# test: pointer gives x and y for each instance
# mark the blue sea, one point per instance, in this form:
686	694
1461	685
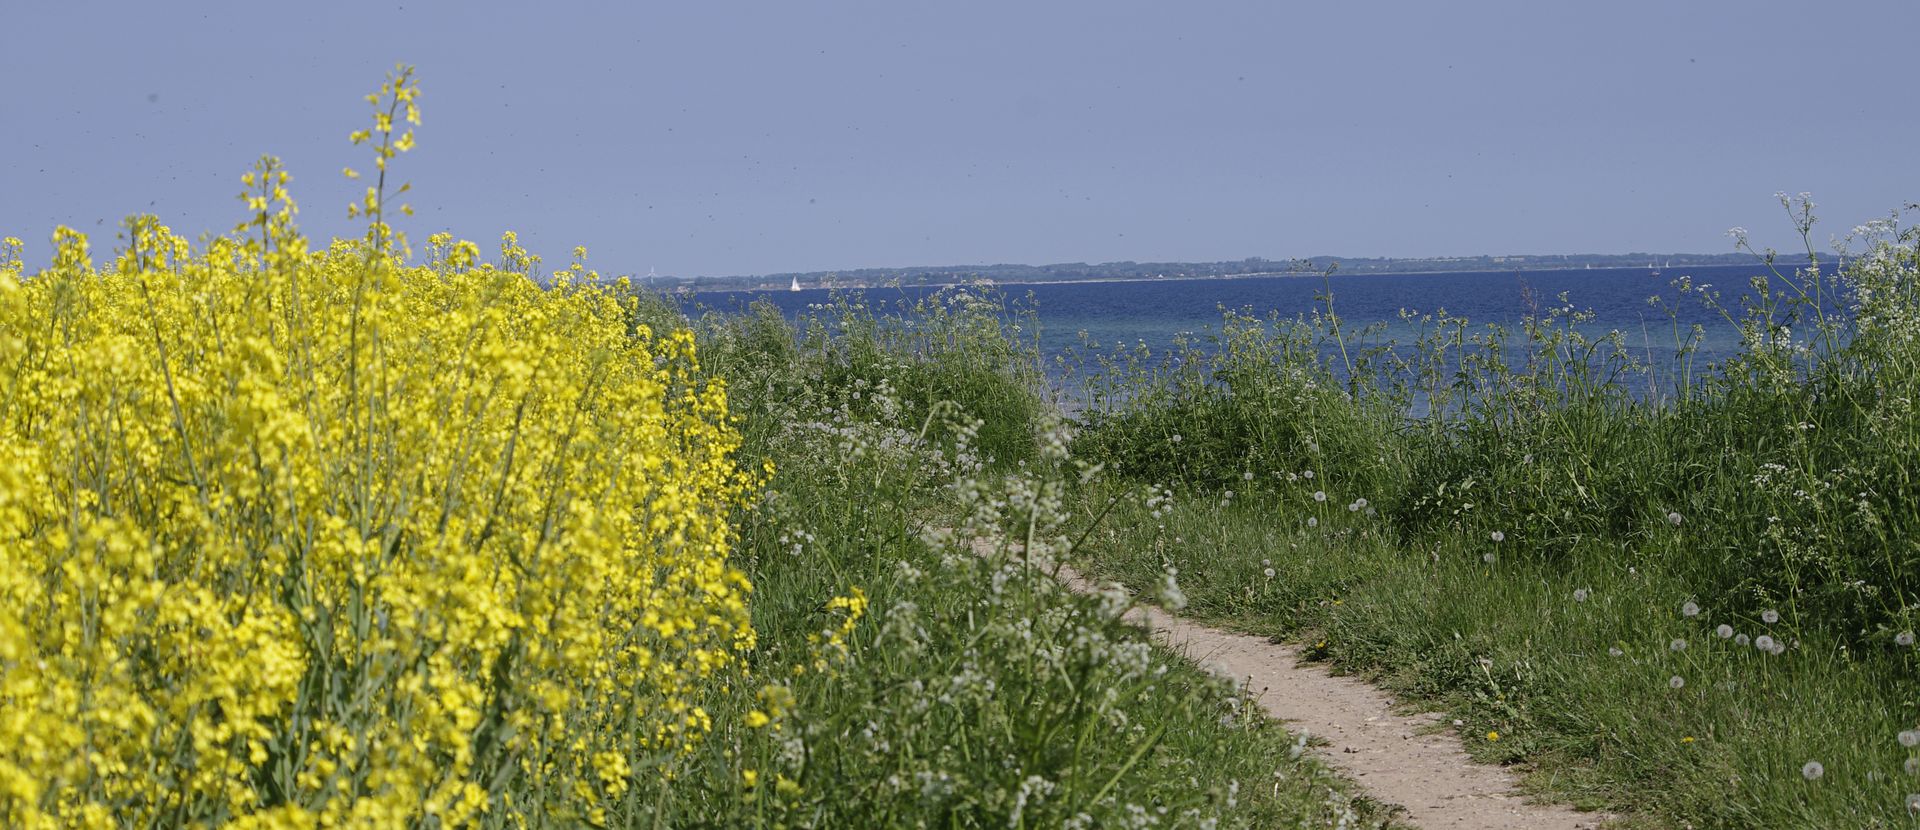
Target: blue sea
1157	312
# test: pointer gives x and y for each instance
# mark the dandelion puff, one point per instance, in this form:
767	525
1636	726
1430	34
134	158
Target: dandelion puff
1360	501
1741	640
1677	645
1812	770
1307	474
1676	681
1320	495
1487	557
1266	563
1246	476
1913	802
1176	438
1353	508
1614	651
1313	521
1903	639
1910	738
1723	631
1499	537
1763	643
1912	766
1769	616
1268	572
1673	519
1690	609
1581	594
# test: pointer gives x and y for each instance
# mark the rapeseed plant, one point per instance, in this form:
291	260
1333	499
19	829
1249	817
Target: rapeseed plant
298	536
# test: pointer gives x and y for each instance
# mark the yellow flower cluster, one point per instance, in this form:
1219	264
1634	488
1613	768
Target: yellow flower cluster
298	539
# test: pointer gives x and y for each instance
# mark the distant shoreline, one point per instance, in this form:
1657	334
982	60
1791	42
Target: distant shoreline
693	287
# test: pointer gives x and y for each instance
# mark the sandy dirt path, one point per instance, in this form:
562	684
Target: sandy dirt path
1399	759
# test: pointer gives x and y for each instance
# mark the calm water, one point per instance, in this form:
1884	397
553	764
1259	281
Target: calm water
1158	311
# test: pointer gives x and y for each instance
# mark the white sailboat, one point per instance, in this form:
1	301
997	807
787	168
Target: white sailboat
795	286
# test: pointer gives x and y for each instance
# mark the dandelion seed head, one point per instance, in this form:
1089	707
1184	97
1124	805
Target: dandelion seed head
1677	645
1487	557
1763	642
1264	563
1769	616
1320	495
1676	681
1912	766
1499	537
1268	572
1308	475
1910	738
1581	594
1690	609
1741	640
1246	476
1673	519
1812	770
1913	802
1723	631
1615	651
1903	639
1313	521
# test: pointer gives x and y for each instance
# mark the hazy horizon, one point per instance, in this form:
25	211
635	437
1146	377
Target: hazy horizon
761	139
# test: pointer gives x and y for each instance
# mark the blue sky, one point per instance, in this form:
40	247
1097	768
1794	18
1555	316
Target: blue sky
733	138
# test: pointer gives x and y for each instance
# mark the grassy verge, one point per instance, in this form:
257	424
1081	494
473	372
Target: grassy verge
1694	605
910	680
1570	664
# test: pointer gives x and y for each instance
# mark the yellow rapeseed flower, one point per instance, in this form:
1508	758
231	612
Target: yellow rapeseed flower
304	536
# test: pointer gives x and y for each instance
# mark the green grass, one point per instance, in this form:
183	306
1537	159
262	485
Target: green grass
1444	550
974	691
1506	647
